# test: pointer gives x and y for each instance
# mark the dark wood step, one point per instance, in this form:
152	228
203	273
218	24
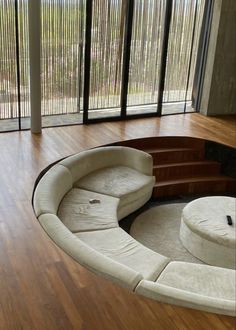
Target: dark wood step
186	169
175	155
164	142
195	185
180	167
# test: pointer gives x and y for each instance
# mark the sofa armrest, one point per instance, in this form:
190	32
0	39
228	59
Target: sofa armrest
138	160
51	189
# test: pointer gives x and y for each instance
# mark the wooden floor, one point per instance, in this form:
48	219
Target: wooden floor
40	286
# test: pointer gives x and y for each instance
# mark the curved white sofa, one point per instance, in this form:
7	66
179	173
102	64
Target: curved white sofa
79	202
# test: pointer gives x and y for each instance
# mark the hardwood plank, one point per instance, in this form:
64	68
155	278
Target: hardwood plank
43	288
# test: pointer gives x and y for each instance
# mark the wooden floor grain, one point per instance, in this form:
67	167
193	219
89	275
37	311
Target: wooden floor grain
40	286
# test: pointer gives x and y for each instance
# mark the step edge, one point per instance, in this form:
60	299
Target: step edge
196	179
187	163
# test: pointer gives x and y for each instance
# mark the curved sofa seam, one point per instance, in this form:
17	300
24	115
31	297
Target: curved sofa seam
162	270
94	230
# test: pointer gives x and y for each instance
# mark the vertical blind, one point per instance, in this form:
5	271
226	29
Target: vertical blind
107	39
9	24
146	46
62	54
179	48
62	47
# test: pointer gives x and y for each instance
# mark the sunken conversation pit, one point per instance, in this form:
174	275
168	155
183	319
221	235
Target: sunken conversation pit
79	202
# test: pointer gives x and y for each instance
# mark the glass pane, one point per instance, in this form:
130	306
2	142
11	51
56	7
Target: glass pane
62	49
179	55
199	17
146	46
106	57
9	109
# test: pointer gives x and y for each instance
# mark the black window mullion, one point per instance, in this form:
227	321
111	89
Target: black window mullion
167	22
18	63
87	59
126	56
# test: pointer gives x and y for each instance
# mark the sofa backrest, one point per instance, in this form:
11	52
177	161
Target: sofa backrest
91	160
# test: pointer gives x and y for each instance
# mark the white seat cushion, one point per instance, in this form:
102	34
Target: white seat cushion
118	181
119	246
201	279
87	256
78	214
196	286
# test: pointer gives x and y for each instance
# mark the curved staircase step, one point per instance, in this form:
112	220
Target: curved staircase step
175	155
180	166
195	185
181	170
164	142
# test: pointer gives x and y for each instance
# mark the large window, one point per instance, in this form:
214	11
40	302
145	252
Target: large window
181	57
130	43
107	37
14	76
145	59
62	48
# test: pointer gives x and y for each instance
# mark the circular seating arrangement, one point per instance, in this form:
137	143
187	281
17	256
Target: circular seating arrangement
206	233
79	202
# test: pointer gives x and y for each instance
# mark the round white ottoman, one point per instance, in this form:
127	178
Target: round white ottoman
205	232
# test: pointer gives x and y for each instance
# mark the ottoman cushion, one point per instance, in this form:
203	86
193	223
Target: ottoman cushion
205	232
207	217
